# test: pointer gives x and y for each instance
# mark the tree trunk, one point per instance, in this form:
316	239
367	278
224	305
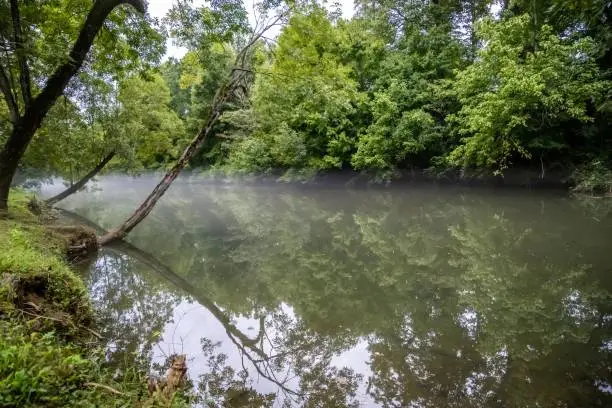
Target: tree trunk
236	77
147	205
473	38
8	167
24	71
26	126
81	183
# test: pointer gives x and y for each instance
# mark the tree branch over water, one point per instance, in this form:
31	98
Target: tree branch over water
234	82
81	183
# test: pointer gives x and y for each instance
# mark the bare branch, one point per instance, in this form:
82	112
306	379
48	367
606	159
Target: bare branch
256	36
266	373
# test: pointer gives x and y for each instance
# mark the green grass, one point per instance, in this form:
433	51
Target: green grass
48	350
34	278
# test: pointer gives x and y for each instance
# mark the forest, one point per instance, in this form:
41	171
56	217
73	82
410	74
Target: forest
449	87
244	294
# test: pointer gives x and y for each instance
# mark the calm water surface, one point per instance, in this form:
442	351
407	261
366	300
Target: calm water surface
412	297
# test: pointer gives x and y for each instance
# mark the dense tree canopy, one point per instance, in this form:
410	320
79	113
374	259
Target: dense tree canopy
447	85
428	85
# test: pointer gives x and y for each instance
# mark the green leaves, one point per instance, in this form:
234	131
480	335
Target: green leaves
223	21
151	132
304	100
400	86
517	97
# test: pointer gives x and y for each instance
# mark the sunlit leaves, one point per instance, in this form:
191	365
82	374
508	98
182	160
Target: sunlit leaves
223	21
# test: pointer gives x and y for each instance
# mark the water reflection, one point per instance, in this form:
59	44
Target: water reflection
421	298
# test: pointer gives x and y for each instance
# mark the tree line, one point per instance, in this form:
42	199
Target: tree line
448	85
437	85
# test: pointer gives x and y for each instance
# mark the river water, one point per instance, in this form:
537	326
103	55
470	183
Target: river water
406	297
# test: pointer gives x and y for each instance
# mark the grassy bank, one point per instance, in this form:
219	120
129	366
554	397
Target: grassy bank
50	353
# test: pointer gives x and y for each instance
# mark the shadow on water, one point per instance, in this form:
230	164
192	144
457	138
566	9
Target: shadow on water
416	298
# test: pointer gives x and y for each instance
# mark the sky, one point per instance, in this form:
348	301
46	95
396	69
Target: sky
159	8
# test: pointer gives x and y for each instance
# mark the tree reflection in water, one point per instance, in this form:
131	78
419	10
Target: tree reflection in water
295	364
425	299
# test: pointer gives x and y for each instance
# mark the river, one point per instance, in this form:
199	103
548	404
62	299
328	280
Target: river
332	297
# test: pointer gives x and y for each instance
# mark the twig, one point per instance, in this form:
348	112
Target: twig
99	336
42	317
105	387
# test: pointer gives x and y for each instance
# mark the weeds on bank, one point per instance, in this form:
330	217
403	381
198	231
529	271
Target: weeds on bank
50	354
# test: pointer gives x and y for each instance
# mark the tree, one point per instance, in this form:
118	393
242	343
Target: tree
78	137
518	104
305	102
152	133
234	82
134	126
410	97
34	108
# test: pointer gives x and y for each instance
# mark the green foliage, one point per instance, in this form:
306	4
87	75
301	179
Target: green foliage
128	42
152	133
517	101
443	86
70	143
47	357
388	142
305	100
595	177
251	155
448	86
37	371
40	369
31	264
288	147
81	128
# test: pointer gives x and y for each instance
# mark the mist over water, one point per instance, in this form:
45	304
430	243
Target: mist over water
413	296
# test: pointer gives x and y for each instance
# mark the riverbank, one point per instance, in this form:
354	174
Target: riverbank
51	353
593	180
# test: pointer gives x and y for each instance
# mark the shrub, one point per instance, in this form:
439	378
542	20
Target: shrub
593	178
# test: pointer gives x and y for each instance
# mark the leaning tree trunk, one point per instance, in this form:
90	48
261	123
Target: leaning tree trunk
147	205
81	183
26	125
235	80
